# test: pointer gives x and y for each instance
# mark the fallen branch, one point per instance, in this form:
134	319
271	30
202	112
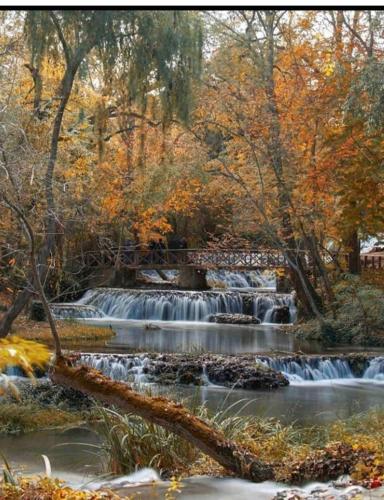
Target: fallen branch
168	414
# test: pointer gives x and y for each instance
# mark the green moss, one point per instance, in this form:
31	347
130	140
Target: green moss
358	316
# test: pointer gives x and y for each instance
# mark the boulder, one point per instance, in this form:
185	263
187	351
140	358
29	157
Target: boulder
239	372
244	375
281	314
234	319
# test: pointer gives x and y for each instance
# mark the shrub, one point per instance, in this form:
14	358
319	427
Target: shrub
358	316
130	442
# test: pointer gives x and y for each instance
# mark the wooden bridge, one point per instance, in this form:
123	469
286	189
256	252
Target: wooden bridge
235	259
239	259
193	263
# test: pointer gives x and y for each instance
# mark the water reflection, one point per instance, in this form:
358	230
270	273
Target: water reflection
186	337
67	451
302	404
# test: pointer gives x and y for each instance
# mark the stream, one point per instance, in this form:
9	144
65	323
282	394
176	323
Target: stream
322	387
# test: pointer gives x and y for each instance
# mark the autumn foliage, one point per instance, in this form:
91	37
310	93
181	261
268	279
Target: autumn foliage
278	140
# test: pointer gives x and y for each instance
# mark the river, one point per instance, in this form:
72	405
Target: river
320	391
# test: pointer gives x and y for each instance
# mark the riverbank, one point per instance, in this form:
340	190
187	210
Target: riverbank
355	318
350	448
37	405
311	331
71	332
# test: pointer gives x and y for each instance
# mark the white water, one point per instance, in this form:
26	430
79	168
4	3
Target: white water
126	368
175	305
69	311
242	279
375	370
315	368
210	488
320	368
222	278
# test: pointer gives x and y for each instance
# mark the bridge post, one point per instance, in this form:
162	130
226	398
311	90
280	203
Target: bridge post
124	277
193	278
283	284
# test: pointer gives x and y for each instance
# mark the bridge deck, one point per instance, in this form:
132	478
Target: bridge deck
205	259
236	259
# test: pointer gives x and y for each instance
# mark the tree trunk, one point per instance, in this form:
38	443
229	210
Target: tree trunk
35	270
169	415
48	247
306	293
354	264
313	248
13	312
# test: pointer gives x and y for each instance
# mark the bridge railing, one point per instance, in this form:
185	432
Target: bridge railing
211	258
372	261
202	257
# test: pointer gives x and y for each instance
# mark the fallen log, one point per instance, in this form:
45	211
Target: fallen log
166	413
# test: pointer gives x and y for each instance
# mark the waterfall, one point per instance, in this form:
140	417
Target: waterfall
315	368
221	278
309	368
75	310
375	369
133	368
126	368
151	275
242	279
175	305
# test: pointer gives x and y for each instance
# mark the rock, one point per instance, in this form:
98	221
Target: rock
240	372
188	378
47	394
234	319
151	326
325	492
358	363
244	375
281	314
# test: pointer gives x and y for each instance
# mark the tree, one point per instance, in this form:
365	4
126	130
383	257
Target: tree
252	91
162	45
157	410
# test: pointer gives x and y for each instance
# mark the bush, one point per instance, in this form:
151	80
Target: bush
360	307
358	316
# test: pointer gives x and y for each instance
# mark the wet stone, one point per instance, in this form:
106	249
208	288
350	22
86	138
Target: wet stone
229	371
234	319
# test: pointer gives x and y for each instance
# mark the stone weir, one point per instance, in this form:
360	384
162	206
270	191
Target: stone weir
73	311
176	305
235	371
239	372
298	368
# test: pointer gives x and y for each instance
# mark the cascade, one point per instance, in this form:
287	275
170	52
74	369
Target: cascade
132	368
176	305
242	279
375	369
222	278
127	368
75	310
321	368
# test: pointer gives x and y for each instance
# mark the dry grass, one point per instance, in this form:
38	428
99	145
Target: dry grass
354	446
16	418
69	331
44	488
